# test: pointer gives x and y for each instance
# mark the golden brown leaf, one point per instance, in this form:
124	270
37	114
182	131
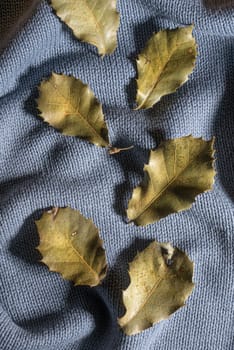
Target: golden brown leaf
164	65
177	172
92	21
160	283
70	245
69	105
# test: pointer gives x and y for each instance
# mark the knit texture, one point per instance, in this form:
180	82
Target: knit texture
40	168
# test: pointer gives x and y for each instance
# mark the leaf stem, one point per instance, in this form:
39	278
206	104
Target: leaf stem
114	150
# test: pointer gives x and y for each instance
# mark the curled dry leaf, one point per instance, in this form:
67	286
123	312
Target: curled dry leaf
70	244
93	21
69	105
160	283
164	65
177	172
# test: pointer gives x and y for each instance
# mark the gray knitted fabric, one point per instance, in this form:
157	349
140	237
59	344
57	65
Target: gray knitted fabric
40	168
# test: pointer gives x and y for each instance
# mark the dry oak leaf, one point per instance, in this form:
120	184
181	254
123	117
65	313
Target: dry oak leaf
178	170
93	21
69	105
160	283
70	244
164	65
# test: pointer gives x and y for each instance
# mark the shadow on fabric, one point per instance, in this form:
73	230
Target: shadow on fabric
131	163
224	143
80	300
217	4
119	276
24	244
105	331
141	36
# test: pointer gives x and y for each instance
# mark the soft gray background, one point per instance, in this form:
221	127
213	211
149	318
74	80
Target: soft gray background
39	167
